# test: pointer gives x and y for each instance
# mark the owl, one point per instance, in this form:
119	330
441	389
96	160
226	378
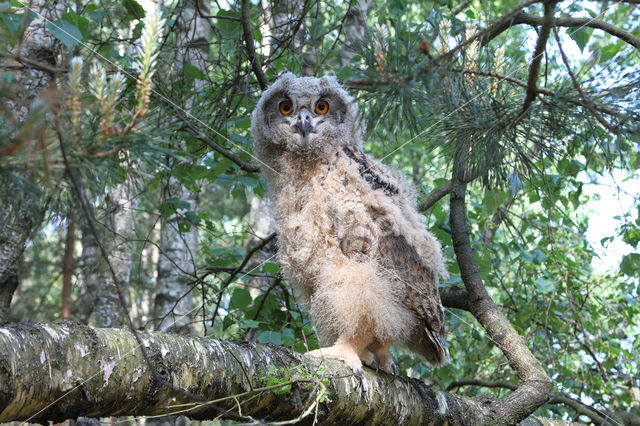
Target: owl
351	241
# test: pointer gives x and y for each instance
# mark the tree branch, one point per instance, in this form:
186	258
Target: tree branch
533	390
454	297
542	90
497	24
525	18
538	53
579	407
435	195
249	168
53	372
256	66
32	63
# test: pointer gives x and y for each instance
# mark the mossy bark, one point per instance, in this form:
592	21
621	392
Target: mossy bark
52	372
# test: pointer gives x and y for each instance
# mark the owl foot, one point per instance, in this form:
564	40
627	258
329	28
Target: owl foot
343	351
383	357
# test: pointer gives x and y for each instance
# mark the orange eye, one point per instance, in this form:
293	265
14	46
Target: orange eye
286	108
322	107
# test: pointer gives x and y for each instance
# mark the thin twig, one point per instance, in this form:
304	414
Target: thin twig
541	44
256	66
33	63
576	84
235	272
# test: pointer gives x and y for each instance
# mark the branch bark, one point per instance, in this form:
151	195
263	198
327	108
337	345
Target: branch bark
256	65
525	18
533	390
52	372
538	53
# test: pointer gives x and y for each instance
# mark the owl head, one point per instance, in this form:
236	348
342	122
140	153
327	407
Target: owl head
307	116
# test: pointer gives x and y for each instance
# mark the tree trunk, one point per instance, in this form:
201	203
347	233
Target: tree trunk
355	24
88	285
53	372
173	304
121	204
21	216
67	268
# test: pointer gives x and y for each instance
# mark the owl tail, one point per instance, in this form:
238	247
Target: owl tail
430	346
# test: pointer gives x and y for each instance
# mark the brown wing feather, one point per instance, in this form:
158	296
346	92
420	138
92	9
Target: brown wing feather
419	283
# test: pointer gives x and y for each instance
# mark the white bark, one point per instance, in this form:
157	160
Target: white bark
354	27
173	304
20	215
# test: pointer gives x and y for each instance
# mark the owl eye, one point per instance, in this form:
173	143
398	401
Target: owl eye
285	107
322	107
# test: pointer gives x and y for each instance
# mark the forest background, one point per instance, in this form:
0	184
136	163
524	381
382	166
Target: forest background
129	197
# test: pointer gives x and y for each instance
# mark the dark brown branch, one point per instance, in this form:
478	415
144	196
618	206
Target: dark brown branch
435	195
256	66
33	63
602	108
441	191
534	387
250	168
538	53
498	23
454	297
525	18
67	267
460	8
579	407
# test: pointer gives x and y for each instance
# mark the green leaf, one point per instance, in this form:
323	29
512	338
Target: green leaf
13	21
191	72
134	10
570	167
80	22
249	324
609	51
97	15
270	337
630	265
66	32
184	226
581	36
240	298
270	268
493	200
545	285
192	217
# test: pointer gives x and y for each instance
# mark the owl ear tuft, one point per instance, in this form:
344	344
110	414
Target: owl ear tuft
330	81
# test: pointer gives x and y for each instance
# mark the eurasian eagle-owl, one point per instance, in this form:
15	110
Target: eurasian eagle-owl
350	237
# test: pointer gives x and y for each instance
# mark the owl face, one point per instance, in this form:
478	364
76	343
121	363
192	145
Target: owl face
305	115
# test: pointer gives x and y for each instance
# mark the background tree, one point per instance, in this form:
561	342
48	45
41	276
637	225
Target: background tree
504	115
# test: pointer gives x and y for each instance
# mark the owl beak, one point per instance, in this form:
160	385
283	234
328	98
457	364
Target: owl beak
304	122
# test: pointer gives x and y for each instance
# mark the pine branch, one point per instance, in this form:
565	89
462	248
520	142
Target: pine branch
496	24
525	18
576	84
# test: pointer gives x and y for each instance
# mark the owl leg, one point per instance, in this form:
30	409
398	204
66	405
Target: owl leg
347	350
369	359
381	352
